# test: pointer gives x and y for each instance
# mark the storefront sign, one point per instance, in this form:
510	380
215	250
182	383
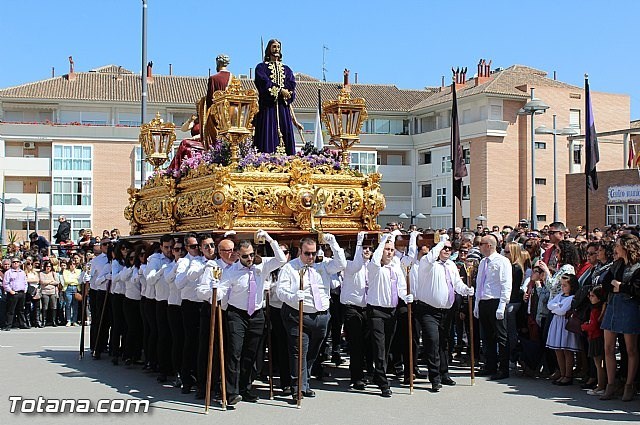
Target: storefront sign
618	194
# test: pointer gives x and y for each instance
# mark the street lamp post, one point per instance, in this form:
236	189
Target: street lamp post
35	210
567	131
5	201
404	216
533	107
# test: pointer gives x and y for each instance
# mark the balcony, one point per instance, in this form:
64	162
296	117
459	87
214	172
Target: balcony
25	167
15	211
467	131
54	132
397	173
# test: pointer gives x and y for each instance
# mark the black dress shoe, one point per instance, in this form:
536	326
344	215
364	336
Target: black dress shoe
565	383
386	392
177	383
186	389
359	385
436	387
287	391
309	393
448	381
498	376
233	399
96	356
249	397
485	372
420	375
336	359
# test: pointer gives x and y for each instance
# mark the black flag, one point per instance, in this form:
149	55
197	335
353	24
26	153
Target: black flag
592	153
457	157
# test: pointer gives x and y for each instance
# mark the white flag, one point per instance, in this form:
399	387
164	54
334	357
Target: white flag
317	137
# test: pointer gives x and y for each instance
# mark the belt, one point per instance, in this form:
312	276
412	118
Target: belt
430	307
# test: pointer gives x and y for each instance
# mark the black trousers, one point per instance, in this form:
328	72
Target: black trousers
174	315
382	323
95	317
336	322
203	348
118	333
164	338
244	333
151	329
436	328
357	331
191	326
280	347
400	344
15	305
133	338
495	341
314	330
100	322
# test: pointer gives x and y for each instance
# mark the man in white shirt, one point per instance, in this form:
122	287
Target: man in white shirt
493	291
174	310
242	288
354	305
315	295
438	281
387	285
154	274
190	307
99	279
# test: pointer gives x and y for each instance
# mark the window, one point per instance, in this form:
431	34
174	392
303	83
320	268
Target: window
71	191
77	225
365	162
446	164
178	118
428	123
466	221
634	214
540	145
308	127
132	119
466	116
71	158
574	118
541	217
27	116
426	157
484	114
426	190
381	126
84	117
466	154
466	192
541	181
441	197
577	154
615	214
495	112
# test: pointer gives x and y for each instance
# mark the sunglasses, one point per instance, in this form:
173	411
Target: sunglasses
193	246
310	253
528	246
546	241
286	251
463	251
537	270
105	244
446	248
247	256
209	245
366	248
176	248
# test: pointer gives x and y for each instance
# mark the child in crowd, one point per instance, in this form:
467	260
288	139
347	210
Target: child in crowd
596	338
563	342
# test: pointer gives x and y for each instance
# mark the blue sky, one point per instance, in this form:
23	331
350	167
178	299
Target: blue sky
408	43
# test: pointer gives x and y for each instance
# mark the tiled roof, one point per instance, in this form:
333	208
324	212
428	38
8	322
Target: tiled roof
106	85
505	82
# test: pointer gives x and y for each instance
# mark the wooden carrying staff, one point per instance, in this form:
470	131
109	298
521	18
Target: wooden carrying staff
83	316
300	330
222	371
269	354
215	273
470	271
410	332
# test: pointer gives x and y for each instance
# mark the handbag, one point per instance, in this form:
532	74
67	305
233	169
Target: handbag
31	290
574	324
77	296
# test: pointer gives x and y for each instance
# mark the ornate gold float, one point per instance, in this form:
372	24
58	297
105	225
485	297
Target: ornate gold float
294	196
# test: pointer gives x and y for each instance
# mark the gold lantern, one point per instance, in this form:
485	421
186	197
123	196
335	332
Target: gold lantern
156	138
343	118
233	110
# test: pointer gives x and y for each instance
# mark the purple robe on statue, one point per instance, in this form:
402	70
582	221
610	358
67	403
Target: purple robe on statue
270	78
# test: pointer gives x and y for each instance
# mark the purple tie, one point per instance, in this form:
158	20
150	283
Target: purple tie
366	281
480	285
315	290
251	303
394	286
447	275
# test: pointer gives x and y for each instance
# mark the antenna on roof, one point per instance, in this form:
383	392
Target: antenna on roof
324	68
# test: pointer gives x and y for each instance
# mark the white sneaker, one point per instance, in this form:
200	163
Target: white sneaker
68	324
595	391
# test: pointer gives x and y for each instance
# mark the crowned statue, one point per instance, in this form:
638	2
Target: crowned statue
276	86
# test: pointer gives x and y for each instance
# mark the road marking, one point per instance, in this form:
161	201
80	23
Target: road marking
6	346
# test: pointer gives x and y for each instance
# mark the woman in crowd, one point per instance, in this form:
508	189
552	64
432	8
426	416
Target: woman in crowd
515	254
49	287
70	281
563	342
622	315
532	246
33	280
